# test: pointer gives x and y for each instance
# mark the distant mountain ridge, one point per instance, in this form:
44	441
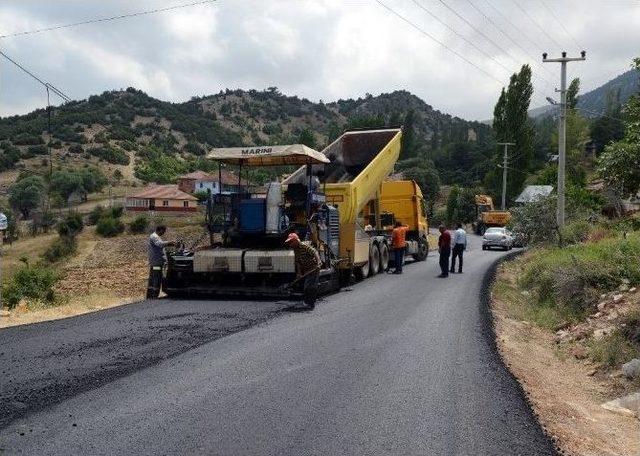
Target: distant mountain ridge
119	130
593	104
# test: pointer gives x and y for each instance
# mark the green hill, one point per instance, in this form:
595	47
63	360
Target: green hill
136	136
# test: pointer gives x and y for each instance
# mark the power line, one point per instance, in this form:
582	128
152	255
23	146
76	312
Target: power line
106	19
45	84
431	37
510	38
478	31
500	48
537	24
561	24
536	47
461	36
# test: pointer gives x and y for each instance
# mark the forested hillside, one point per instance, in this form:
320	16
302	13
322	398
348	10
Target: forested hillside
131	135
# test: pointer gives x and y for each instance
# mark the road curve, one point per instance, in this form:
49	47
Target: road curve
398	365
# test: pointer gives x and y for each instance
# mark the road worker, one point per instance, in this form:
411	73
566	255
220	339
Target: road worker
308	263
444	248
399	244
459	246
157	259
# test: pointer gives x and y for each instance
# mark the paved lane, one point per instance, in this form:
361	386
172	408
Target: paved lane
398	365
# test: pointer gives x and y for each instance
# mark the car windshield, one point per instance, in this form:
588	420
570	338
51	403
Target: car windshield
495	231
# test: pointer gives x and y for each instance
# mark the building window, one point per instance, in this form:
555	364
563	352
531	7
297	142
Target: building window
185	204
165	203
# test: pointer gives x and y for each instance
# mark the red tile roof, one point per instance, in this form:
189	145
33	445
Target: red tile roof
168	192
198	175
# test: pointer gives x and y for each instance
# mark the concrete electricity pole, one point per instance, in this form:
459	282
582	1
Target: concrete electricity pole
562	127
504	172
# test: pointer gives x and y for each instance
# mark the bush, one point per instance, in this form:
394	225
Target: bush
61	248
576	232
110	154
95	215
117	211
71	225
31	282
109	226
76	149
139	224
536	221
32	151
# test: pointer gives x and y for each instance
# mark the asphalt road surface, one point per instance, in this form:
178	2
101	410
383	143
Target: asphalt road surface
397	365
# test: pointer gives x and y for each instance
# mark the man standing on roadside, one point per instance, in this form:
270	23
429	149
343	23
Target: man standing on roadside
307	261
157	259
459	246
399	244
444	248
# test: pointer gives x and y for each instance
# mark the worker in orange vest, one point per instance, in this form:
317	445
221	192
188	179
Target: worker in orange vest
399	243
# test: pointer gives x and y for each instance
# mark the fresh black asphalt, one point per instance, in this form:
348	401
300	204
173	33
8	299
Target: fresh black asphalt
398	365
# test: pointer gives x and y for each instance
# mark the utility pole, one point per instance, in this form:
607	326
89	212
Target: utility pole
562	127
504	172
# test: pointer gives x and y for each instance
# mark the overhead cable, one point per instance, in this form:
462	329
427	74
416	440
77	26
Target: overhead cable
561	24
47	85
441	43
106	19
509	37
552	39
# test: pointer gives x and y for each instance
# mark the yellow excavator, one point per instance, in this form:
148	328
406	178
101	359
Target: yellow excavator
487	215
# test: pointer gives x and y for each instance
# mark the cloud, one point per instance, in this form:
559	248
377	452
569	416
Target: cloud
319	49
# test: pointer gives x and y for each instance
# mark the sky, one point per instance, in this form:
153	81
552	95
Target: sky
454	54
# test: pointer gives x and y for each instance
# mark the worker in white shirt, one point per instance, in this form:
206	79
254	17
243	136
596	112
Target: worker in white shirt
459	242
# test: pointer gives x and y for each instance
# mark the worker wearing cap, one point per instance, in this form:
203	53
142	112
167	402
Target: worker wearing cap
157	259
307	263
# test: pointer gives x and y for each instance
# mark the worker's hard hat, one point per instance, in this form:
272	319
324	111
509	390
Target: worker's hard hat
292	237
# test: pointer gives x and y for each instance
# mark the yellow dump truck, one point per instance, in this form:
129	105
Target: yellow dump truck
487	216
402	201
337	200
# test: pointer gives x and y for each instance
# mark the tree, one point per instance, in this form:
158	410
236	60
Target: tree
619	164
572	93
536	220
408	135
511	123
452	204
26	194
609	127
307	138
428	180
577	137
65	182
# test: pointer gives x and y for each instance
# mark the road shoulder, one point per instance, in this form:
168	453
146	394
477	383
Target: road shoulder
563	392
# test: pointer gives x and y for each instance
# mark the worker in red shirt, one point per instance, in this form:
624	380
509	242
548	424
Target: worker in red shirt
444	247
399	243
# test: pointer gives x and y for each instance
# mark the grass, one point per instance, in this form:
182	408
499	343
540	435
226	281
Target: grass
613	350
554	288
564	284
30	248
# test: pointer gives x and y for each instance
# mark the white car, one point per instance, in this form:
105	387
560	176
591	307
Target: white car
497	237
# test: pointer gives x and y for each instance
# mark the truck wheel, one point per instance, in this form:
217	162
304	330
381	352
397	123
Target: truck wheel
384	256
423	250
374	260
361	272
